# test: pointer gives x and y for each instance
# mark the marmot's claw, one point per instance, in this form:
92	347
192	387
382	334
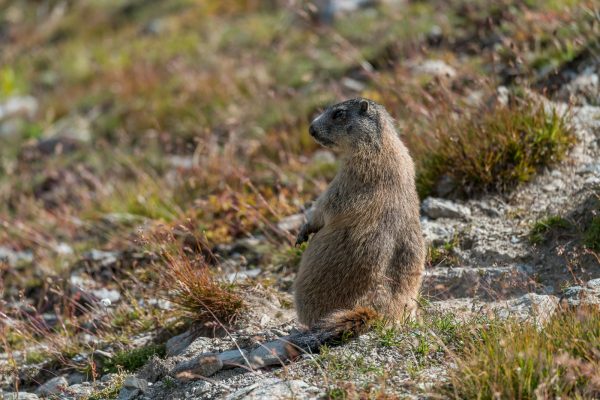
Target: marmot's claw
301	239
302	235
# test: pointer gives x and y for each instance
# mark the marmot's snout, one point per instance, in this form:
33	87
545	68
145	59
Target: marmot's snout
320	134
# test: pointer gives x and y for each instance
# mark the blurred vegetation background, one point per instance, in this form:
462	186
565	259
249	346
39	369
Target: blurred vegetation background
221	92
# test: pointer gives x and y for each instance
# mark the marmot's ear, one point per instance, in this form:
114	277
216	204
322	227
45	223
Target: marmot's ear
364	106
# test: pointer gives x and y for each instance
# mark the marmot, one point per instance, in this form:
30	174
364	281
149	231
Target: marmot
367	256
368	248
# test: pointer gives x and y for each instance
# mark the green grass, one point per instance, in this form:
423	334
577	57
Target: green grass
11	83
443	254
342	367
513	360
592	234
290	257
131	360
417	345
495	150
542	228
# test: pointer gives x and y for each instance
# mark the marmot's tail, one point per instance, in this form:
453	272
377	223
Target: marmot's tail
334	329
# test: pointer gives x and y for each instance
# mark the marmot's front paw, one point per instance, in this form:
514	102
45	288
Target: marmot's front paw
302	235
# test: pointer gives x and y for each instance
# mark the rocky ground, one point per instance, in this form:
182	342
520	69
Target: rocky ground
88	306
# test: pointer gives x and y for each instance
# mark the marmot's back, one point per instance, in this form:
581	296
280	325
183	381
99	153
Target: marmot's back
368	248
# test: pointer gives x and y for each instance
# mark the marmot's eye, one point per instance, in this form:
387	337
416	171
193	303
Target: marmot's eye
338	114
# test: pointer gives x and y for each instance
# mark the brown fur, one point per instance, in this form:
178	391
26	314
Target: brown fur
368	248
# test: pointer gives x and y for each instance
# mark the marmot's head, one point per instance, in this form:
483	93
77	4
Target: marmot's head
349	125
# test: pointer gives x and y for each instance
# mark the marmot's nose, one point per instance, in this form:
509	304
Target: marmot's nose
311	130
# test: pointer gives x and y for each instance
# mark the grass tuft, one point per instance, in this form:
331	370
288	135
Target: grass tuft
592	234
191	284
443	254
493	151
541	228
512	360
131	360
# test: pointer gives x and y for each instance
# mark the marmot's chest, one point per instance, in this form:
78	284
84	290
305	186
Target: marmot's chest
341	207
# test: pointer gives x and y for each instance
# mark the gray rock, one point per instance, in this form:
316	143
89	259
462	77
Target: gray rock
142	340
102	355
103	258
448	282
502	95
14	258
200	345
154	27
181	162
276	389
435	35
538	308
592	182
75	378
241	276
441	208
436	68
234	358
18	106
594	284
270	353
63	248
19	396
353	84
590	168
161	303
133	382
108	377
128	394
444	186
588	295
110	294
585	88
197	390
53	386
435	232
50	319
292	222
156	368
80	390
177	344
204	365
328	10
491	210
